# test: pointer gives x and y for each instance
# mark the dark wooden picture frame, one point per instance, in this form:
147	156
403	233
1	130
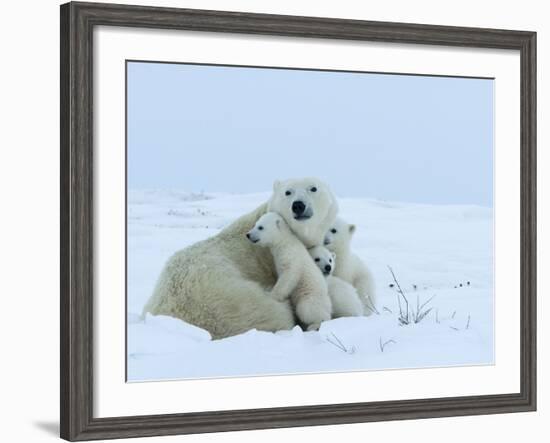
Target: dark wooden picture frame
77	23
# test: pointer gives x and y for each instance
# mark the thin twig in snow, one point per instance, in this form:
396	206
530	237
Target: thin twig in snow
336	344
468	323
337	339
402	318
420	316
417	315
370	305
383	345
427	301
340	345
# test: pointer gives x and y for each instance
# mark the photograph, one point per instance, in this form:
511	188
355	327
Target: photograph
284	221
280	219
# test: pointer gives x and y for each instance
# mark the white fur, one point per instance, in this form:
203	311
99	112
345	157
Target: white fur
222	284
343	296
349	267
297	276
322	203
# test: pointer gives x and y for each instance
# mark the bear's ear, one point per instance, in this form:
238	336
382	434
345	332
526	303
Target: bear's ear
276	185
334	255
278	224
351	229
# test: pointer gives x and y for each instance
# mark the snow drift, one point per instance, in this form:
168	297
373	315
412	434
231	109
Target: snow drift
442	257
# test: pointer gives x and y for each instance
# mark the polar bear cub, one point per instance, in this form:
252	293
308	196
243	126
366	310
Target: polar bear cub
350	268
343	296
297	275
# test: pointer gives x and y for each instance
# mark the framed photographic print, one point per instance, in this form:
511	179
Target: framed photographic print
272	221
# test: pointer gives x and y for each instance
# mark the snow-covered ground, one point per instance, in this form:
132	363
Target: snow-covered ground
438	251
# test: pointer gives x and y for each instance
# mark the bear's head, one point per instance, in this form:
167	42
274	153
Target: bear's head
338	237
323	258
268	230
307	205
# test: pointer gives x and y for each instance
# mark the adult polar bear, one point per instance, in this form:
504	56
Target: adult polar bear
222	284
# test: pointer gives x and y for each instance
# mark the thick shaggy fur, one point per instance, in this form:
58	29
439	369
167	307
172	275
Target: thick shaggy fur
343	296
222	284
297	276
349	267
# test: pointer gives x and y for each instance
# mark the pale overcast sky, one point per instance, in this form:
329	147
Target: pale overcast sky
232	129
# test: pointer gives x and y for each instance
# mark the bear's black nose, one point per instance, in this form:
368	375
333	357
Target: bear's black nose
248	235
298	207
328	268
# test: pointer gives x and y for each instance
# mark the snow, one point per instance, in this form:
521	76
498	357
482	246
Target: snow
432	249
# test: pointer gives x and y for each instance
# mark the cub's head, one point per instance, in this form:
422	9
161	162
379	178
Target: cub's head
268	229
323	258
338	237
307	205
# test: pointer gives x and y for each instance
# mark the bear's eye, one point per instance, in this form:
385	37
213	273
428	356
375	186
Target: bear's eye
313	189
334	231
330	260
288	192
260	228
317	259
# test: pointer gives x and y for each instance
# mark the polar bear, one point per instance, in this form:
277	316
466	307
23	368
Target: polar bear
297	276
343	296
349	267
222	284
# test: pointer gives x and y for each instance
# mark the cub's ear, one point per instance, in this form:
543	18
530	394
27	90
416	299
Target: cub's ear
351	229
334	256
278	224
276	185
